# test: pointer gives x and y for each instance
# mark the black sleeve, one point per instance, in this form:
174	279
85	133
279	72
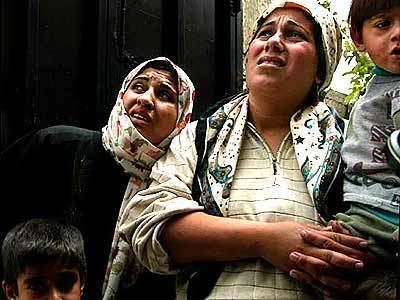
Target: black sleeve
63	172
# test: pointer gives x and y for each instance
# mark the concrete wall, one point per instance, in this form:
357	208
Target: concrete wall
251	10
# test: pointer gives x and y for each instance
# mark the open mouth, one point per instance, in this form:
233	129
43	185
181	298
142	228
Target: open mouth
140	117
396	51
273	61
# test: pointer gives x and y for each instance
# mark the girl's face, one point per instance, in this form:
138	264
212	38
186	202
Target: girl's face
283	52
381	39
151	103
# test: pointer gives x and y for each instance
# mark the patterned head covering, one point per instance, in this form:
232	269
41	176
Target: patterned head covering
331	35
136	154
185	100
315	132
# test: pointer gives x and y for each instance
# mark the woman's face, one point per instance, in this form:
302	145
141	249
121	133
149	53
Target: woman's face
151	103
283	53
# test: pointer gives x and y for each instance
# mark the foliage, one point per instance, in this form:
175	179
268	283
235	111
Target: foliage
325	3
361	73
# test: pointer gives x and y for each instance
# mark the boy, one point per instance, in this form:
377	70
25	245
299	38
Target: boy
370	186
43	259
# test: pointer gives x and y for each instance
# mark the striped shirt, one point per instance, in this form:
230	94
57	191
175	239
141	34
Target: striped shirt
270	189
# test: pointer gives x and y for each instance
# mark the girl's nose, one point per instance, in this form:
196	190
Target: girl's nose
146	99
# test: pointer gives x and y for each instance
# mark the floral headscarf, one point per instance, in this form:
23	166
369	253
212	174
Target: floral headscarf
316	135
331	35
136	155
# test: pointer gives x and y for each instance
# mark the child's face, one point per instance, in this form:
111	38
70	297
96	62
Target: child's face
49	281
381	39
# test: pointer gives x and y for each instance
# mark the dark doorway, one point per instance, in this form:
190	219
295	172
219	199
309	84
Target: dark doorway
62	61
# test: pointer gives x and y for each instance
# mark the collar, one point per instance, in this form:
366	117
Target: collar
381	72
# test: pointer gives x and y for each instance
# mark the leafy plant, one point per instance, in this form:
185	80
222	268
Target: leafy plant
361	73
325	3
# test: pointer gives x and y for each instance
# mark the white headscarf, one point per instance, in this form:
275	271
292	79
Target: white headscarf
316	136
136	155
330	32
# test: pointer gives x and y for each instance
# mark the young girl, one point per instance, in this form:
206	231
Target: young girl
153	105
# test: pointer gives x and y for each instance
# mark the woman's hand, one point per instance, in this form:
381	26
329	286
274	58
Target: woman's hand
314	270
288	237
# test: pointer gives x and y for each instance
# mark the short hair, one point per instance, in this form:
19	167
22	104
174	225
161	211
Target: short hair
361	10
39	241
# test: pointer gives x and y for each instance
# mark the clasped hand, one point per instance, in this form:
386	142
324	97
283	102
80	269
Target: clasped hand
322	258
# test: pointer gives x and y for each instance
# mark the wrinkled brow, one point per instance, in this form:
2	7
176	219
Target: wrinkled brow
290	22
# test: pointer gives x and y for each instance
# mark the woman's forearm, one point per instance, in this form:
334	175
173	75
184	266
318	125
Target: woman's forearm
196	237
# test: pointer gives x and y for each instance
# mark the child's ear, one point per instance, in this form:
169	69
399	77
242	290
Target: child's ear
356	36
82	288
8	290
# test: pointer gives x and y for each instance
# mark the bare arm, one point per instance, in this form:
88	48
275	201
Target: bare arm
198	237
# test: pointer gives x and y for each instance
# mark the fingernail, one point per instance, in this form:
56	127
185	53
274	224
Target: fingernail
293	274
294	256
364	244
304	233
359	265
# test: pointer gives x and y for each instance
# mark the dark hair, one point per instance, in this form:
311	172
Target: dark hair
39	241
361	10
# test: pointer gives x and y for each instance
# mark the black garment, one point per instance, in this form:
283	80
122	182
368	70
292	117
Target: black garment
64	172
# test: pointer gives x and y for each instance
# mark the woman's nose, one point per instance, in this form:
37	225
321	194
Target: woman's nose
275	43
146	99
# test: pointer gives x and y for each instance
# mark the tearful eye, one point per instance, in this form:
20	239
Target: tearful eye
166	96
138	88
294	34
265	33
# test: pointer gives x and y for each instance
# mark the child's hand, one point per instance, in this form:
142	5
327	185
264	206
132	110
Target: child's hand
337	227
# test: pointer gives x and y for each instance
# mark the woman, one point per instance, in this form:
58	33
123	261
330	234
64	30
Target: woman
68	172
153	105
271	157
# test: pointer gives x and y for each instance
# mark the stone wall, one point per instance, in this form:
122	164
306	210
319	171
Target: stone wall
251	10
